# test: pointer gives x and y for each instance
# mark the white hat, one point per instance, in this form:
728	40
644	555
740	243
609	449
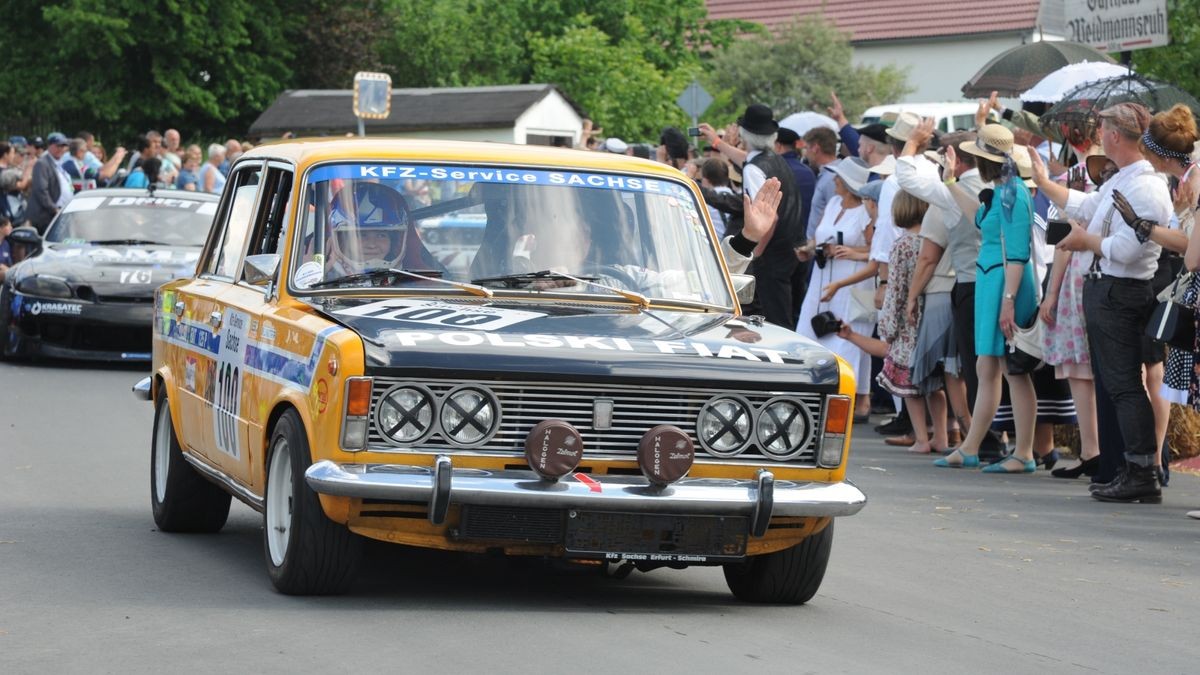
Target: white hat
853	172
885	168
615	145
903	128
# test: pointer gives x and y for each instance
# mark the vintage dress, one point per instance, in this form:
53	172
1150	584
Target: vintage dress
993	220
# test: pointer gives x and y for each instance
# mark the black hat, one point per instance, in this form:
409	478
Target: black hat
38	143
675	142
876	132
787	137
758	119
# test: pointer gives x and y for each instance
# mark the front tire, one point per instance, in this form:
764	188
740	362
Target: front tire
182	500
790	577
306	553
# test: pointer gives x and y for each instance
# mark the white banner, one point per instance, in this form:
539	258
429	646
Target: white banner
1117	25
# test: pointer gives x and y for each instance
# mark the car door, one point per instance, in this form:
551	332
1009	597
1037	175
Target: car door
211	405
249	371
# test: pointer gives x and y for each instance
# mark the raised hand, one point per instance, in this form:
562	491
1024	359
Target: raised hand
1141	227
836	111
760	214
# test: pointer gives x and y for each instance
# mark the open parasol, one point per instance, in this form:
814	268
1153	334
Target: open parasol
1021	67
1081	106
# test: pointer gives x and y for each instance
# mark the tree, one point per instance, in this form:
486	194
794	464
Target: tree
1178	62
796	70
119	67
619	88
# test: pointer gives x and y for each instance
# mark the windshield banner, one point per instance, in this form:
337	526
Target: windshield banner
509	176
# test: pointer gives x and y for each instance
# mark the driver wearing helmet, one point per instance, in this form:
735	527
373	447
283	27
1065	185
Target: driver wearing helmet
370	229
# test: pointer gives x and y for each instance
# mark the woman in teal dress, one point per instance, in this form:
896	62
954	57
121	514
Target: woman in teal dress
1004	298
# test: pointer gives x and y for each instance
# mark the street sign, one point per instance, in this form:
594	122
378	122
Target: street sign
372	95
1117	26
694	101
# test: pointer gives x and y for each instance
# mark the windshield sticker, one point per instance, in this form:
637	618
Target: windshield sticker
308	274
442	314
83	204
130	255
508	176
153	201
207	209
402	338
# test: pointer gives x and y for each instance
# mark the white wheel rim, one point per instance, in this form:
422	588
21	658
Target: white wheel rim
279	502
162	452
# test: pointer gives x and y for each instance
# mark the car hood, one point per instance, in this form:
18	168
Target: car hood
115	270
541	340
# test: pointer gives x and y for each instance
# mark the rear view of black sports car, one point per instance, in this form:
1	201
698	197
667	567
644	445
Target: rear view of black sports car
89	293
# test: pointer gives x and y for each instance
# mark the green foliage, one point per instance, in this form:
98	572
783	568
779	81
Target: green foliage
1179	62
623	61
123	66
619	88
796	71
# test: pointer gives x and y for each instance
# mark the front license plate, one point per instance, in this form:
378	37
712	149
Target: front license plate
641	536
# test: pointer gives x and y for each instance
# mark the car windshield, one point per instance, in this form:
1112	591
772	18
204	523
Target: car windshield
134	220
516	229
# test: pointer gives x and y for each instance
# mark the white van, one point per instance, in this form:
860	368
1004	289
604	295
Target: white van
949	116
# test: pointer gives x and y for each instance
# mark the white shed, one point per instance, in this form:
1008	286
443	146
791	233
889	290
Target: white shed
534	114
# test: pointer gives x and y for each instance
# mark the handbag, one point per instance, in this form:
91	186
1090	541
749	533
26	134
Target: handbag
1025	349
862	305
1173	321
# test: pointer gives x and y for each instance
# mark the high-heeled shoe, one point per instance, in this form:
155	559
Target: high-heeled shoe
968	461
1089	468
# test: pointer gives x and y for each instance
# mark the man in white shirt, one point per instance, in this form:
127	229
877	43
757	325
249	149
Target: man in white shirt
1117	295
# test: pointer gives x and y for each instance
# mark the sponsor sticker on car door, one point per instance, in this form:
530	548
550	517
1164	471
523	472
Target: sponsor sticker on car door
227	390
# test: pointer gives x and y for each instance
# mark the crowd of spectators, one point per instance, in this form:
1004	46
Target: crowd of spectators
38	176
921	257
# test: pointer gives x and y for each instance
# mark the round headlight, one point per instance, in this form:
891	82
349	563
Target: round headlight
469	415
784	427
406	414
724	426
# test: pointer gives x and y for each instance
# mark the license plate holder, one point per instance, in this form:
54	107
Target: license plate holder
655	537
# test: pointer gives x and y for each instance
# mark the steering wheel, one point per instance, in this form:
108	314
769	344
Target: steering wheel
612	272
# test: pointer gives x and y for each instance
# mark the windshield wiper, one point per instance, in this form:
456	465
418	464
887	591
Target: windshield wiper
382	273
127	242
526	278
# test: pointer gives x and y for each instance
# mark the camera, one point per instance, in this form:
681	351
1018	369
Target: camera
825	323
693	131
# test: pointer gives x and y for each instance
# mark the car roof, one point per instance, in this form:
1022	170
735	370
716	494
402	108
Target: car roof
142	192
305	152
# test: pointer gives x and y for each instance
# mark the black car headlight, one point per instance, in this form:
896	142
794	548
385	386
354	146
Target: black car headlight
469	415
725	426
784	428
406	414
45	286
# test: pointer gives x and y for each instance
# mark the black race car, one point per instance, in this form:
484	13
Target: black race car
89	292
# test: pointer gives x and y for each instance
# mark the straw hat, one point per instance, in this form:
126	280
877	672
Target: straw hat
1020	155
1095	168
904	125
993	143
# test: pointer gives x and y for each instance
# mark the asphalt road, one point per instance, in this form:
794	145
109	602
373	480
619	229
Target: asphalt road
943	571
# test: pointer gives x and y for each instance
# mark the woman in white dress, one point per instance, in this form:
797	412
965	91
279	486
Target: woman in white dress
844	236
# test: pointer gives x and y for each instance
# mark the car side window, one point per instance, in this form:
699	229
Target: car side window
276	192
239	217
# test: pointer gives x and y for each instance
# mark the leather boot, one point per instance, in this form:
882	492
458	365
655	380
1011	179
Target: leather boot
1133	484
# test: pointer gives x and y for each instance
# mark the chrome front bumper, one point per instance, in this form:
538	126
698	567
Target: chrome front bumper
442	485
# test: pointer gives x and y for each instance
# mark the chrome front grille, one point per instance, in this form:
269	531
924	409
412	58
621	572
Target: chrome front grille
635	410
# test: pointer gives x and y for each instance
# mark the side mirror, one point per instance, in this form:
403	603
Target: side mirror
743	285
260	269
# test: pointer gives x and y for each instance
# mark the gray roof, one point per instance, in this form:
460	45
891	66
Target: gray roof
308	112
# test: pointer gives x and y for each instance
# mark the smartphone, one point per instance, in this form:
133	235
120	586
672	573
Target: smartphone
839	238
1057	230
693	131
